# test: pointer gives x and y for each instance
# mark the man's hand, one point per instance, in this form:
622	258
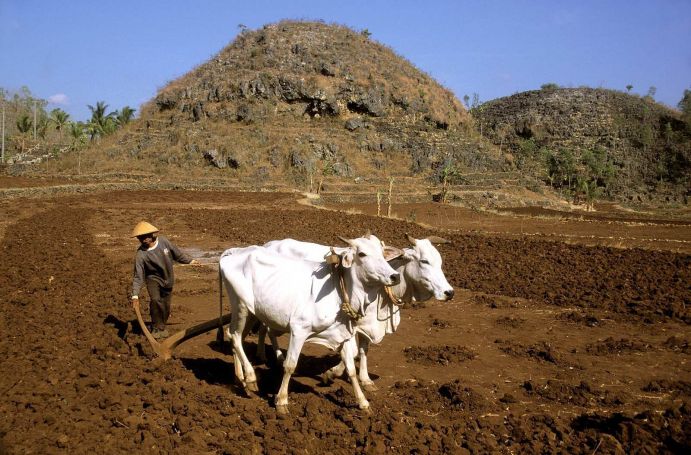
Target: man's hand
135	302
195	262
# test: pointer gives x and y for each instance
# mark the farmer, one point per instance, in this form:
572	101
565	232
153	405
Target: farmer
153	265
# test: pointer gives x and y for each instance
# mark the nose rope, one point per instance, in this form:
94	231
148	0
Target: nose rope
392	298
393	308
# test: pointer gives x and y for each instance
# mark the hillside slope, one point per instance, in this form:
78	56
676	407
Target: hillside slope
630	148
297	100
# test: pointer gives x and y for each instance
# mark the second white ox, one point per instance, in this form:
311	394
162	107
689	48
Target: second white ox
302	297
422	278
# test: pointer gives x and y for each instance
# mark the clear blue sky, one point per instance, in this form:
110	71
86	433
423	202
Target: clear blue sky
78	52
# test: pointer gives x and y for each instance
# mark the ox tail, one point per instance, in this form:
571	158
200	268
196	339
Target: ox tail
219	332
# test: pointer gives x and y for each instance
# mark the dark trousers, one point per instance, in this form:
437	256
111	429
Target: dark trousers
159	307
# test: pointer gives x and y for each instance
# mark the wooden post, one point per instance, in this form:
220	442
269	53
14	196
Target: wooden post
378	203
388	212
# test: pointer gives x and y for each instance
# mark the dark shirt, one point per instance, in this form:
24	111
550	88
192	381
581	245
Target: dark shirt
157	264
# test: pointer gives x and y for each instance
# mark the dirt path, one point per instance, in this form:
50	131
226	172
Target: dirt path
546	346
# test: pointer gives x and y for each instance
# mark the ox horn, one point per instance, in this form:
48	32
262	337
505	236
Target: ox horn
344	240
411	239
437	240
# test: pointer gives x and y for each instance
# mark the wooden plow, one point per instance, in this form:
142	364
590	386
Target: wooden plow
165	348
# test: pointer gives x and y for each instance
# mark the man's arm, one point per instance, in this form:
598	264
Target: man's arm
179	255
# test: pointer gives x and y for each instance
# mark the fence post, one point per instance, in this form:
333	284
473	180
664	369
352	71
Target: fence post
378	203
388	212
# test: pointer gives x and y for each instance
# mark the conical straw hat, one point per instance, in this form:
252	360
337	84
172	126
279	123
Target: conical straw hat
143	228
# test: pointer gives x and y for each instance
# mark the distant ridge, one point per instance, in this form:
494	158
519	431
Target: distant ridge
644	148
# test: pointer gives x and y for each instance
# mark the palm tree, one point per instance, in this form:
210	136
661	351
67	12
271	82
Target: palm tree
590	192
42	127
99	123
93	130
98	113
24	126
60	119
125	115
76	131
77	134
110	125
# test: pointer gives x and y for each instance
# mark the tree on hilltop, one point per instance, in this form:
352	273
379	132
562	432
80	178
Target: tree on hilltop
549	86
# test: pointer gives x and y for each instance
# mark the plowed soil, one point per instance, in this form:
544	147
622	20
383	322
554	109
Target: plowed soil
546	347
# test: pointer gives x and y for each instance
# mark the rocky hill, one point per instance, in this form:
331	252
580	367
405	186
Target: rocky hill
298	100
301	102
597	140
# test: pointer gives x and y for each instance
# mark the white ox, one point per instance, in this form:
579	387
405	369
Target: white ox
422	278
303	298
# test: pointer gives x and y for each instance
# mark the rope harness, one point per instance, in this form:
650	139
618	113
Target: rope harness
335	260
392	298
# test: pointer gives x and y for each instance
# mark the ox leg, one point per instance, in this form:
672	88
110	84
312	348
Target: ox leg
250	322
261	343
277	349
243	368
363	347
348	352
336	372
297	340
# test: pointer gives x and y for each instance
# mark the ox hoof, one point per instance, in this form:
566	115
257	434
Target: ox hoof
252	387
327	378
366	410
282	409
369	387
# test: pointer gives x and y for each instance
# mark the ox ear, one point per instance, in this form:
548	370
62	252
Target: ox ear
411	239
408	255
347	258
391	253
437	240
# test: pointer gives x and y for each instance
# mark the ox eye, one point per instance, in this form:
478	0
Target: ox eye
361	254
424	261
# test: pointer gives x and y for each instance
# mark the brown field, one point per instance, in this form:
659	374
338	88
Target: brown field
561	336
